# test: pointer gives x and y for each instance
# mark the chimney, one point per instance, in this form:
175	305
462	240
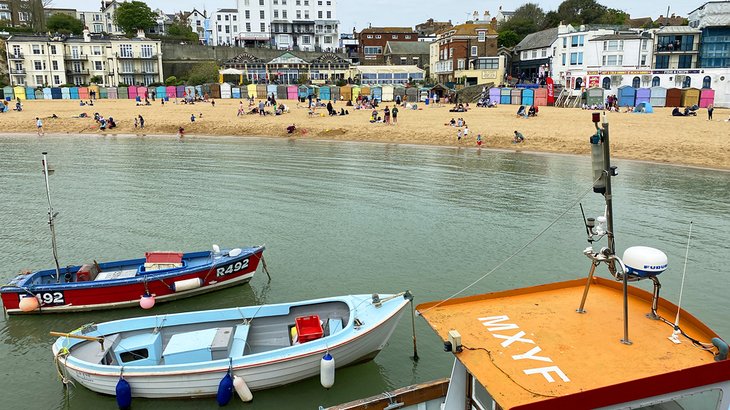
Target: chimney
140	33
486	15
475	16
87	35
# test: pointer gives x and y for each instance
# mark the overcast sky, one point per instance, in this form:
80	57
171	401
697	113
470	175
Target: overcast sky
358	13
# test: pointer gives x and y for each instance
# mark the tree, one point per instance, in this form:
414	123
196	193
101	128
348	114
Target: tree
532	12
508	38
65	24
552	19
202	73
581	11
614	17
182	30
96	79
134	15
171	80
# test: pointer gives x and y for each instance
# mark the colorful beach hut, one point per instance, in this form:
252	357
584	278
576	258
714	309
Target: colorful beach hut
236	92
412	94
281	92
47	94
199	91
346	92
324	93
170	91
95	89
643	95
376	92
103	93
56	93
541	99
424	93
84	93
132	92
399	90
19	92
690	97
516	96
658	97
495	95
29	93
112	92
626	96
261	91
594	96
215	90
189	91
366	91
303	91
674	97
143	92
39	94
505	96
74	91
388	92
206	89
271	89
122	93
161	92
180	91
355	92
292	92
8	93
528	96
251	91
66	93
707	97
334	92
225	90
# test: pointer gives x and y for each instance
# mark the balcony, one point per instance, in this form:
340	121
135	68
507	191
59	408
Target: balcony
137	56
138	71
17	71
77	72
674	48
77	57
16	56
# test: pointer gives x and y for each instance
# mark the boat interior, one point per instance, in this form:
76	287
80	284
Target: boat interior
280	327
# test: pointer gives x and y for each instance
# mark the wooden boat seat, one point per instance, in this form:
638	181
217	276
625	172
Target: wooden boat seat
239	340
116	274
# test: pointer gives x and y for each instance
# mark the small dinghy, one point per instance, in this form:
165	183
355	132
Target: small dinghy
259	347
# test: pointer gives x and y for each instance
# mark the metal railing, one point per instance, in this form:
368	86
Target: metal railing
77	57
17	71
674	48
77	72
16	56
137	56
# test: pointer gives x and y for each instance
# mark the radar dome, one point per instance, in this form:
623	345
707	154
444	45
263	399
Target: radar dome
644	262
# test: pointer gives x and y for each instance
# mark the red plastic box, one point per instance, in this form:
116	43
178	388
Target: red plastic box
308	328
163	257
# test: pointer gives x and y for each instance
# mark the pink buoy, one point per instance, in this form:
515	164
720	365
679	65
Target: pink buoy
29	304
147	301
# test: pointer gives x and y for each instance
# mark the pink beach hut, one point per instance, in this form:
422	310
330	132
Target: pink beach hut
292	92
141	92
541	99
132	92
707	97
84	93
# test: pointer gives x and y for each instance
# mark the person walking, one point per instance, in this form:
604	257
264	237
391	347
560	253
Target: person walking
710	109
394	113
479	140
141	121
386	115
39	126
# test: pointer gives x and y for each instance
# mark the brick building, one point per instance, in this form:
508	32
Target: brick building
431	27
407	53
469	51
372	42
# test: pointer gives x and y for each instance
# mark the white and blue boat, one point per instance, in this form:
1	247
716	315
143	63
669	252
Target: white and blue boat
188	354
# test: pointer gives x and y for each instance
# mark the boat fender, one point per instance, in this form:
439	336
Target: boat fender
242	389
225	390
327	371
722	349
147	301
29	304
124	394
187	284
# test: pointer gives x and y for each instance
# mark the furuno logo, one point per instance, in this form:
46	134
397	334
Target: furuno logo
655	266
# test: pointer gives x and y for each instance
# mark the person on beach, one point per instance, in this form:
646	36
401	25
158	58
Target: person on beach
181	132
240	109
466	131
479	140
518	137
192	117
386	115
710	109
136	123
394	112
39	126
458	136
141	121
290	129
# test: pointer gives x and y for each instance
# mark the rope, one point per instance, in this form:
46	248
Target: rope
62	353
684	275
539	234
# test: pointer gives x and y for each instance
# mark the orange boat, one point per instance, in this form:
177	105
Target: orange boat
580	344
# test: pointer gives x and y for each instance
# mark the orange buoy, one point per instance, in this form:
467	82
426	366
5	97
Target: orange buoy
29	304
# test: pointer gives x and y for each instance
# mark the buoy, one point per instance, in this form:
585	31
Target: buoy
225	390
242	389
29	304
187	284
327	371
147	301
124	394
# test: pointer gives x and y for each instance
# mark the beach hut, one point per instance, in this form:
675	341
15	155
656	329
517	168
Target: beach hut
47	94
56	93
626	96
334	92
180	91
84	93
644	107
690	97
95	89
271	90
236	92
39	95
225	90
315	91
505	96
143	92
388	92
199	91
215	90
516	96
281	93
399	90
366	91
376	92
303	91
74	92
189	91
19	92
643	95
346	92
658	96
423	94
206	89
541	97
594	96
674	97
171	91
29	93
103	93
495	95
261	91
251	91
355	92
122	93
112	93
292	92
161	92
8	93
132	92
66	93
528	96
412	94
707	97
324	93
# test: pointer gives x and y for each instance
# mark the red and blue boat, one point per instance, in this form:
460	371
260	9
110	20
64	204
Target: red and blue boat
159	276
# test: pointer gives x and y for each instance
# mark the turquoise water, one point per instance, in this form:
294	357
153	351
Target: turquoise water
336	218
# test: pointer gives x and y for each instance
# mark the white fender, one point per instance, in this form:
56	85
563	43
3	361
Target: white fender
242	389
187	284
327	371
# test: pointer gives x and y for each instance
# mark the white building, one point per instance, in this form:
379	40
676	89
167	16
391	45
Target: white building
199	22
101	21
226	26
574	52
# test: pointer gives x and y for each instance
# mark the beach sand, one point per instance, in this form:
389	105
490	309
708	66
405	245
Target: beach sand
655	137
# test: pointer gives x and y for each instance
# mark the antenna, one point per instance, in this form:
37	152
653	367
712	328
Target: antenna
674	337
51	217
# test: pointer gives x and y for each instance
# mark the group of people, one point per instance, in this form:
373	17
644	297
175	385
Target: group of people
524	112
460	108
104	123
390	117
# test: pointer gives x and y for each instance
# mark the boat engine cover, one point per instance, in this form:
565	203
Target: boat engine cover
644	262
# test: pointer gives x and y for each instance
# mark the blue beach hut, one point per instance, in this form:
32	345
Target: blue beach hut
271	89
626	96
303	91
29	93
324	93
47	94
39	94
377	93
104	93
161	91
505	96
235	92
199	90
8	93
190	91
66	93
56	93
74	93
528	96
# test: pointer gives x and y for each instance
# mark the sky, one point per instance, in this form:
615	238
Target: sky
404	13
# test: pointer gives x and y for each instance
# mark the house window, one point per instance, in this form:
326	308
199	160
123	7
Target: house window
227	17
329	14
687	82
248	27
247	14
37	65
125	50
544	52
576	58
263	27
655	81
460	64
283	13
451	52
706	82
643	59
685	61
404	60
37	49
474	51
306	40
146	50
219	17
262	14
319	14
96	50
606	83
235	29
98	65
373	50
562	58
534	54
327	39
54	65
487	64
377	36
636	82
299	14
56	80
481	36
577	41
565	42
39	80
306	14
234	17
369	36
662	62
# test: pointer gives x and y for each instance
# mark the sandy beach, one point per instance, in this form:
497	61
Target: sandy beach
649	137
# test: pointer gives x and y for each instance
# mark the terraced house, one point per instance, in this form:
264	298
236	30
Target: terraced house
468	53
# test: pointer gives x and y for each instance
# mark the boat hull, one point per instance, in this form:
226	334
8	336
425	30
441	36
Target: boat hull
113	294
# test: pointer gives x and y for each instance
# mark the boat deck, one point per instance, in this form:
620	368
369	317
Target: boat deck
530	345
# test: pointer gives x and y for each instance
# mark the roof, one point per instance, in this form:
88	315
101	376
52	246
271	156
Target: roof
528	346
388	69
619	36
408	30
677	29
540	39
227	11
640	22
407	47
470	29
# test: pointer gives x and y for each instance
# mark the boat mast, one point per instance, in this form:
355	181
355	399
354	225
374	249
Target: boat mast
51	217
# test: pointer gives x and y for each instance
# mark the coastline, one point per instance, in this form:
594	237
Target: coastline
654	138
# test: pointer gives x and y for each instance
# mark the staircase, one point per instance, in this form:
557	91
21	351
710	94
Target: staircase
472	94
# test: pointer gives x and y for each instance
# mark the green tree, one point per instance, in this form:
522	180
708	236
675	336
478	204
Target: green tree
96	79
531	12
552	19
581	11
614	17
65	24
202	73
171	80
134	15
182	30
508	38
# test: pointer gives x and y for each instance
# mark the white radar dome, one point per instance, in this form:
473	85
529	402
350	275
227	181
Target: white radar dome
644	262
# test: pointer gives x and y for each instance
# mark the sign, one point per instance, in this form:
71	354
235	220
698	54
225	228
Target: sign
593	81
550	91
